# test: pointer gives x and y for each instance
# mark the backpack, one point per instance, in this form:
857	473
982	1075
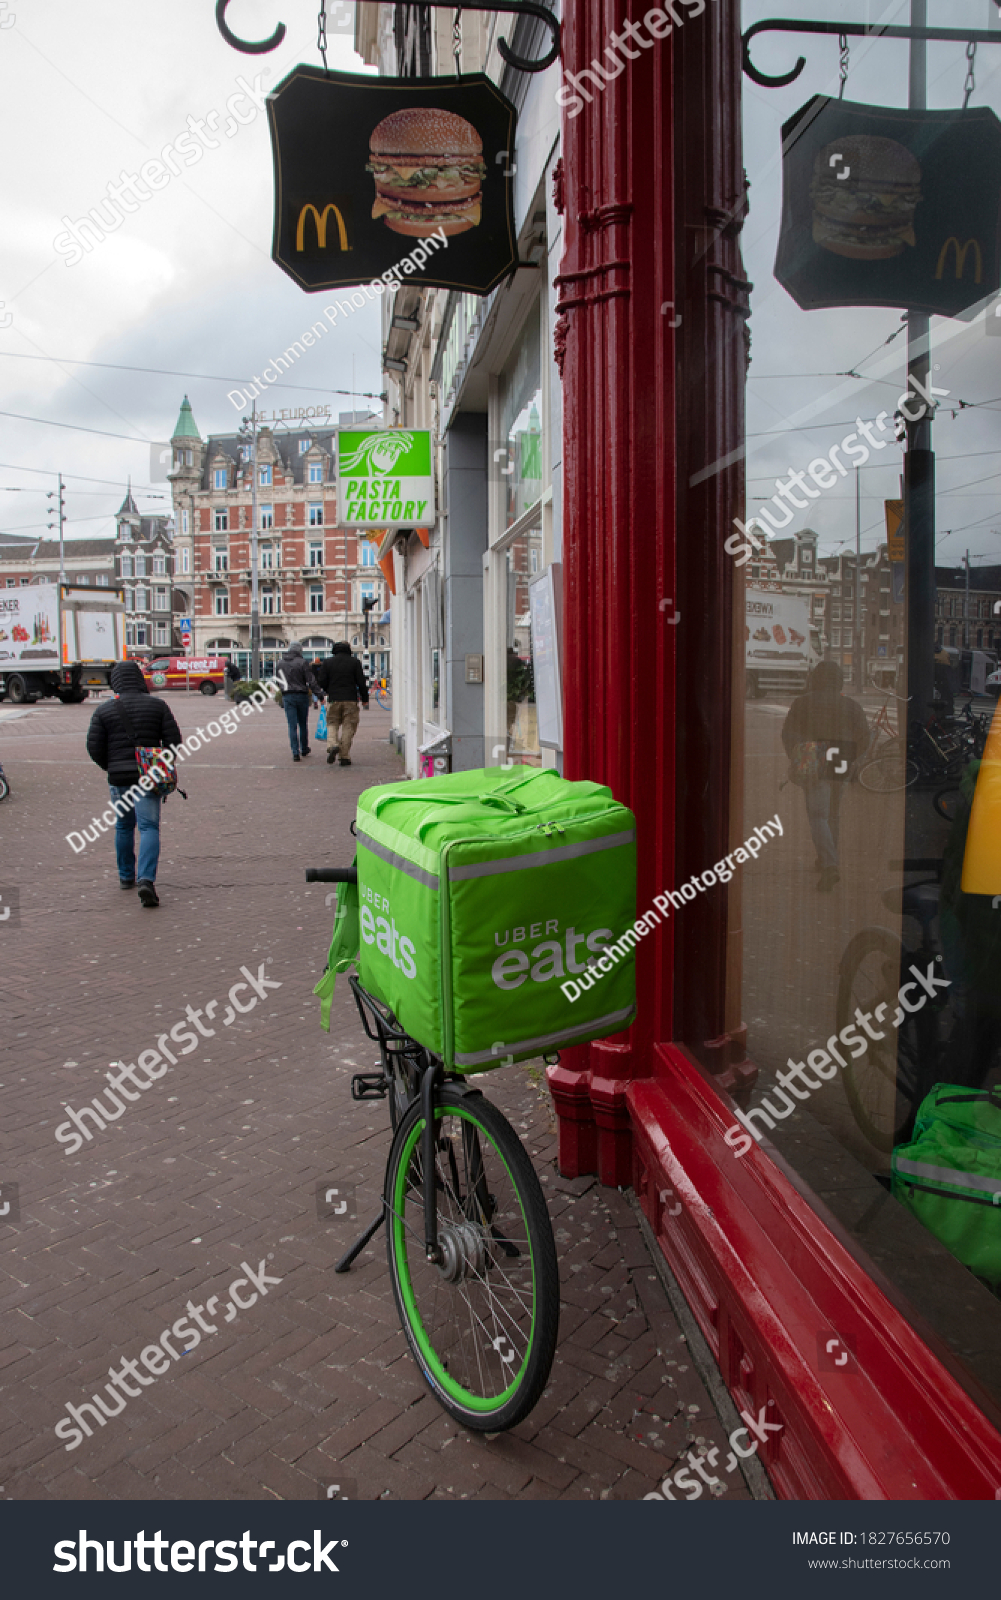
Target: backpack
486	902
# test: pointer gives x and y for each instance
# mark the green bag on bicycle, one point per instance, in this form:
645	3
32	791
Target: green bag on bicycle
949	1175
486	899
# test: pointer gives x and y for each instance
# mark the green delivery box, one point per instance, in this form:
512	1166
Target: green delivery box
480	894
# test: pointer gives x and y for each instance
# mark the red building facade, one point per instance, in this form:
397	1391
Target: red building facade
653	309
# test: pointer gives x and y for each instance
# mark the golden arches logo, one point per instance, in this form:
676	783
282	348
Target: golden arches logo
961	251
321	227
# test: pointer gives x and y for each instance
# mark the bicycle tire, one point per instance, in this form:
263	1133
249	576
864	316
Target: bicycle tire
946	802
4	788
870	973
886	774
501	1279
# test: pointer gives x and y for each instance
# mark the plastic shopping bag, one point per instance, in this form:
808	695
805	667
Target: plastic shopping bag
321	724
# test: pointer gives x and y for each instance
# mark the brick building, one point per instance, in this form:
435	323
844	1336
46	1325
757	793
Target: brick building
25	560
971	620
144	567
312	574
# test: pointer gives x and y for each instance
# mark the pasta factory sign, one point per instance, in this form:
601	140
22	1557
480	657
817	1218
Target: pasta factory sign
884	207
366	168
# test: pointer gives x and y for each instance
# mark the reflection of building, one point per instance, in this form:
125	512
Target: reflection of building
312	574
968	617
478	372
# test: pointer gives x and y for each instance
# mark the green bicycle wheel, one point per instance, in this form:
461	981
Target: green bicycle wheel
482	1323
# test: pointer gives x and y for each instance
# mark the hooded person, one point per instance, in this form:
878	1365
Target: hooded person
134	718
825	717
343	678
301	682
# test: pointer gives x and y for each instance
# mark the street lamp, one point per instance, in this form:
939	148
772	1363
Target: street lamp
248	433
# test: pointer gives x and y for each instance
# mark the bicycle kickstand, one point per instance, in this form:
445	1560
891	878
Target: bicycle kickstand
344	1265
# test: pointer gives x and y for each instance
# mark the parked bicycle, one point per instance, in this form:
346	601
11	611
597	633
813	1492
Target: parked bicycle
936	753
379	691
470	1247
4	785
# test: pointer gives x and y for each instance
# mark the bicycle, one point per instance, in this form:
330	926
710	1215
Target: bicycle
4	785
874	965
934	753
470	1247
381	695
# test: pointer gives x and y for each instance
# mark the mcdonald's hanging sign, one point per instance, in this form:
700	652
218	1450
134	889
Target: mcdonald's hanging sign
381	180
885	207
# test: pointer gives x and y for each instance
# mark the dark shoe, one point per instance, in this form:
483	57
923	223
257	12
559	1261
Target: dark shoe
308	752
147	893
123	885
331	755
345	761
296	758
828	878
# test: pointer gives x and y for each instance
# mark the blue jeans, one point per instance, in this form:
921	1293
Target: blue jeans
297	713
823	809
147	813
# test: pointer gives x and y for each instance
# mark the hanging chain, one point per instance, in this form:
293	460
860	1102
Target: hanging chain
843	64
457	41
971	82
321	34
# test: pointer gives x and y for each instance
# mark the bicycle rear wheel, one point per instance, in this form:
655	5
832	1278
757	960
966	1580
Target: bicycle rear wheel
482	1325
885	1085
947	801
888	773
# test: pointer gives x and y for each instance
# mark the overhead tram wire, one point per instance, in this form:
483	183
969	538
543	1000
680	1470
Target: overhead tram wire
208	377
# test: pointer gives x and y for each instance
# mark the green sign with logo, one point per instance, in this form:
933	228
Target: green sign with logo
385	478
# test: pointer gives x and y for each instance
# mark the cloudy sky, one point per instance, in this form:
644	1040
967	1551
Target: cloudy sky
816	345
94	90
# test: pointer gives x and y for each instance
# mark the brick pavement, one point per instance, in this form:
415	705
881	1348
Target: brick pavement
218	1161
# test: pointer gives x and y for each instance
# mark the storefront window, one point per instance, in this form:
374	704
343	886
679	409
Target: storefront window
871	948
518	453
522	717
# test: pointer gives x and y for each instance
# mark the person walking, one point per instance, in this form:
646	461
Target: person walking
233	676
301	680
134	717
343	677
824	734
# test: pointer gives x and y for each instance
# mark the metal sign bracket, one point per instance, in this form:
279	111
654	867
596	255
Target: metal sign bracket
854	30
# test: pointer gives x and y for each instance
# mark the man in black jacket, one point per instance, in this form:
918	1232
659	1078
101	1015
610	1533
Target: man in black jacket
134	717
299	681
343	678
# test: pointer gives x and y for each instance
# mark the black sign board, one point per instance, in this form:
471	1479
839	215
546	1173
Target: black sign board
367	168
885	207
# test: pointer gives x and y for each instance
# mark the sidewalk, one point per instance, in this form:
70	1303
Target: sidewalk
219	1160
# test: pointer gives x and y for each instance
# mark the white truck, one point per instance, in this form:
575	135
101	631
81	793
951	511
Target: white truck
59	639
781	646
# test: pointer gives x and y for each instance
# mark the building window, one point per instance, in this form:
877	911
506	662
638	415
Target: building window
140	564
126	566
366	591
142	599
806	558
159	566
222	521
102	580
221	606
161	634
848	613
835	638
264	477
304	445
534	560
25	582
267	557
835	611
185	522
267	603
368	555
316	553
83	578
316	597
267	516
316	515
219	477
161	600
130	634
220	560
12	583
316	472
184	559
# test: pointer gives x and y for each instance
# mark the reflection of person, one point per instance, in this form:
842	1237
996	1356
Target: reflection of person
343	677
827	717
233	676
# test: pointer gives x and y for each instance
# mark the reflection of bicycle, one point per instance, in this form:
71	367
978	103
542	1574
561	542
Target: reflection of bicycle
470	1245
935	754
381	695
886	1085
4	785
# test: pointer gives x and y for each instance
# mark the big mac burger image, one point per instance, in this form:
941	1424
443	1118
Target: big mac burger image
866	213
428	168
